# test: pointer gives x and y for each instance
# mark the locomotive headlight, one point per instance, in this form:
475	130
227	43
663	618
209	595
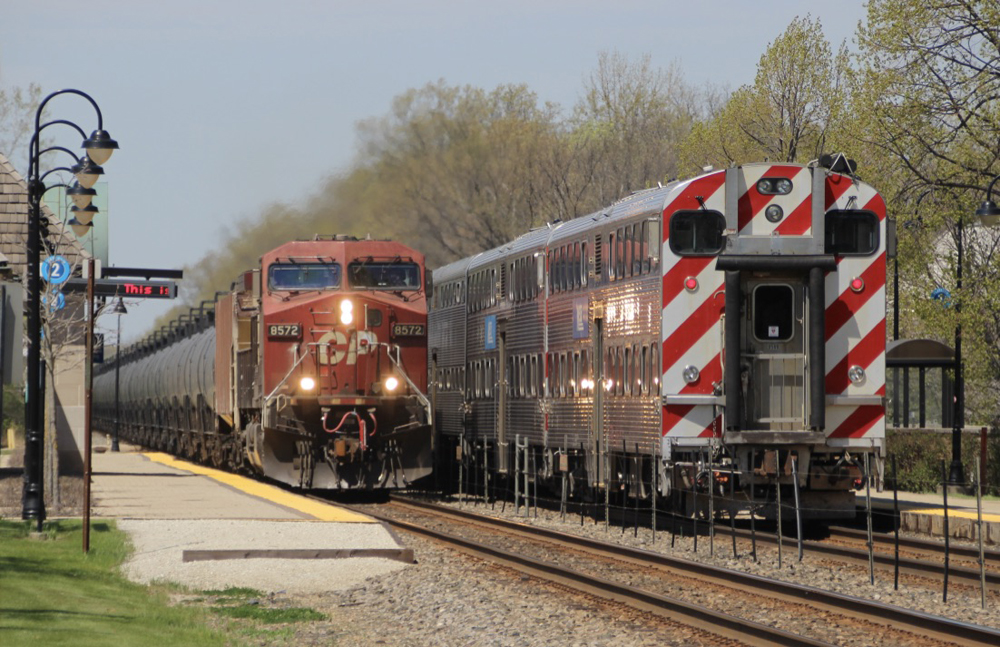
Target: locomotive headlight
691	374
856	374
783	186
346	312
774	213
391	383
307	383
764	186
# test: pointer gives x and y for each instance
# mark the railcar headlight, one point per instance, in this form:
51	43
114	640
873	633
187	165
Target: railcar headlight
346	312
774	213
856	374
307	383
784	186
391	383
691	374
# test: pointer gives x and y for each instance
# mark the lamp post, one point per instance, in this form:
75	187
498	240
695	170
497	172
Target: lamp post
98	147
119	310
956	475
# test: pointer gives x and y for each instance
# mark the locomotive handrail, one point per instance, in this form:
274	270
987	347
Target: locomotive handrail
413	387
271	395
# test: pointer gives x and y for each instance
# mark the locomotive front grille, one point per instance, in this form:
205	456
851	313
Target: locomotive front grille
777	391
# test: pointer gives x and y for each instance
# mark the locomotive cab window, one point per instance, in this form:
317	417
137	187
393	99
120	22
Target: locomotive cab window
384	276
303	276
773	312
697	233
851	232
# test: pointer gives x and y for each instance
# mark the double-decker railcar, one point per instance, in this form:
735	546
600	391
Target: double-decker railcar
310	371
730	322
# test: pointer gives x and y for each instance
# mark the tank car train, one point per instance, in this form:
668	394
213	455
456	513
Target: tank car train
725	324
311	371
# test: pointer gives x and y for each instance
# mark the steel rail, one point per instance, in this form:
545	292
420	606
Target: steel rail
685	613
924	568
921	624
922	545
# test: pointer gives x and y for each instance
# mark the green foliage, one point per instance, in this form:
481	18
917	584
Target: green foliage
919	455
798	96
13	408
54	594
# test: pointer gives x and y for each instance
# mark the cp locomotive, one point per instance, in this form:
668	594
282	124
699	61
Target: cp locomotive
311	371
733	323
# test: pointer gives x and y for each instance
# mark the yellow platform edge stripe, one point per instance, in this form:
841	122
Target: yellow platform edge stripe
321	511
959	514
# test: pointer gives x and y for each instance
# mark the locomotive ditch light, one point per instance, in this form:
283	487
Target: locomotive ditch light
307	383
391	383
346	312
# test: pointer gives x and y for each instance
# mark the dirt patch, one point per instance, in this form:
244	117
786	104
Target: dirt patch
69	496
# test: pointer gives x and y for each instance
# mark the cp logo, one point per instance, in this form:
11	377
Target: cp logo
332	347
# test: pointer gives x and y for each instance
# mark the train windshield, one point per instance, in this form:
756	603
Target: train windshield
383	276
303	276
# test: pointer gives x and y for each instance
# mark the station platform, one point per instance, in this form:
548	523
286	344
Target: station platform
924	514
209	529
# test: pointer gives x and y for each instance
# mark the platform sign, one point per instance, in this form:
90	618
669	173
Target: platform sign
58	301
55	270
125	288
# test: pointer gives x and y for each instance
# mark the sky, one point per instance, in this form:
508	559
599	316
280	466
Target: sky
223	107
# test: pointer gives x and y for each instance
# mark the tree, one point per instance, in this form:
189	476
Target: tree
632	119
928	105
798	98
17	113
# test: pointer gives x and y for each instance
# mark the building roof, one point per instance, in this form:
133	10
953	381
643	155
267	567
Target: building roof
14	223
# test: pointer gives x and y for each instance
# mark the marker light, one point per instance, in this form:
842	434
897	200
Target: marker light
691	374
346	312
857	284
690	284
307	383
856	374
391	383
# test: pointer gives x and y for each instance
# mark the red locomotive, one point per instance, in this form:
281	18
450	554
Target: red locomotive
310	371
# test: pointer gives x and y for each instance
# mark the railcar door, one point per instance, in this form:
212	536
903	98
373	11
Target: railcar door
774	372
501	392
596	453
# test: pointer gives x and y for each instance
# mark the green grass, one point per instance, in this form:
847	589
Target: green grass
51	593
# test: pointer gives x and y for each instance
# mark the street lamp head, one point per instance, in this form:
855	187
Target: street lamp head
81	197
84	215
989	214
86	172
119	308
79	228
100	146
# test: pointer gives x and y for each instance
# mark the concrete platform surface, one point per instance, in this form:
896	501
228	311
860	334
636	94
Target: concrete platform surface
208	529
924	514
132	484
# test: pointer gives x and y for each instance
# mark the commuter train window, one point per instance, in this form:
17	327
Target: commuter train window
852	233
773	312
383	276
694	233
303	276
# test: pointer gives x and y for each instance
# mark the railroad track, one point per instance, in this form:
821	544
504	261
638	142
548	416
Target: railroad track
918	557
638	574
